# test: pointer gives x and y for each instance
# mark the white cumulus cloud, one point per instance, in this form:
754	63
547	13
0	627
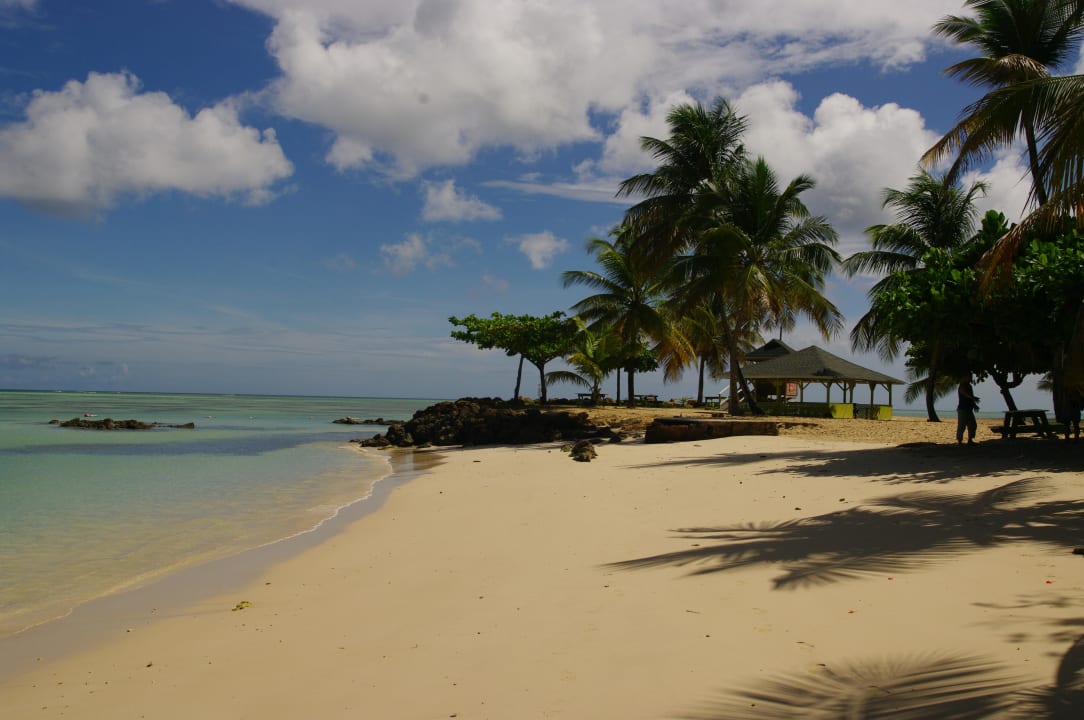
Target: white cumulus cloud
852	151
87	144
1009	185
540	248
408	84
445	202
404	257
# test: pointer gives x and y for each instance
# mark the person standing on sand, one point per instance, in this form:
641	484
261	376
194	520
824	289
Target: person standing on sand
966	406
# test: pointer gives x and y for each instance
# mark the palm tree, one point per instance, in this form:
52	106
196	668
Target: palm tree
592	359
632	290
748	251
931	213
760	258
1019	41
703	329
703	149
1056	105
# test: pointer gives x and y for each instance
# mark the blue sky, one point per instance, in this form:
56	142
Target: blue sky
292	196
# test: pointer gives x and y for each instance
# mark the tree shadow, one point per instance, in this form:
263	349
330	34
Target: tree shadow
889	535
946	687
1064	700
954	687
912	463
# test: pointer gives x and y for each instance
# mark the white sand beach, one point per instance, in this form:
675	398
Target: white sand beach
741	577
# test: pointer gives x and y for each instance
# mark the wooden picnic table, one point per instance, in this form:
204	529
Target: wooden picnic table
1019	422
653	399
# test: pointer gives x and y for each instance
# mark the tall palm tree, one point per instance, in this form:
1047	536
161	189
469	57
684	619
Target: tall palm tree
759	257
1056	105
931	213
703	149
1019	41
631	293
1037	37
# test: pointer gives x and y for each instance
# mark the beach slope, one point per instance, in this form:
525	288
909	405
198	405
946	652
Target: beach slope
739	577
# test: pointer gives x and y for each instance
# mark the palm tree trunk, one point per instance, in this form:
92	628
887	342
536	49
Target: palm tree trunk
542	383
519	379
931	392
617	394
754	408
700	383
631	372
736	376
1068	376
1037	180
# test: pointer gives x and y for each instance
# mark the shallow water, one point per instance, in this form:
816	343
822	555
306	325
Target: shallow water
85	512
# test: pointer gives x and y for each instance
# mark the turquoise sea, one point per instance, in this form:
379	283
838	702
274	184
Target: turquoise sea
86	512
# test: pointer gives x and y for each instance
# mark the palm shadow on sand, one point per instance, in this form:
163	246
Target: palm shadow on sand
911	463
945	687
889	535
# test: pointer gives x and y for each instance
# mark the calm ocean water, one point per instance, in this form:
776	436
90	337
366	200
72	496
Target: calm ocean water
84	512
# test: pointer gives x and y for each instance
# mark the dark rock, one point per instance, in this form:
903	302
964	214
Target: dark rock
398	435
487	421
682	429
354	421
83	423
583	451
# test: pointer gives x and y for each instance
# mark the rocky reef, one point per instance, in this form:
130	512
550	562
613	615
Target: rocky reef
488	421
355	421
83	423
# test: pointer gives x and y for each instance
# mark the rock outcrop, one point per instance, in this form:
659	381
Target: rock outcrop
683	429
583	451
487	421
83	423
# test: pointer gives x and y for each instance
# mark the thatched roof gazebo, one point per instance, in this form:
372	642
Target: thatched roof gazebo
816	366
769	350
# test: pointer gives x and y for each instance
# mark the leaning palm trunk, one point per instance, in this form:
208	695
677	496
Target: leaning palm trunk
738	383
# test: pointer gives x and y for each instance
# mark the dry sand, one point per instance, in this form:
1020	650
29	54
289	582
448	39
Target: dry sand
732	578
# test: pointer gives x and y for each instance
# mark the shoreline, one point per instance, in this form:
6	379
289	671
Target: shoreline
173	591
655	581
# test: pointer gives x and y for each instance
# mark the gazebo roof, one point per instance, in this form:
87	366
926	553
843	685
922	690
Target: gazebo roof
769	350
815	364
